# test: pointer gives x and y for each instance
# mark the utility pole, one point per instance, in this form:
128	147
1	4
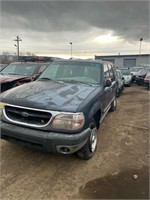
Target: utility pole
17	45
71	49
141	39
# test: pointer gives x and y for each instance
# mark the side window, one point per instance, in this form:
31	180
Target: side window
106	72
112	74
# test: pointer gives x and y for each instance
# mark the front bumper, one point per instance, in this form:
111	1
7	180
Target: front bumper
127	82
48	141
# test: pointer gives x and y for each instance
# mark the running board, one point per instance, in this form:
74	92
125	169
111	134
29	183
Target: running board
105	113
106	110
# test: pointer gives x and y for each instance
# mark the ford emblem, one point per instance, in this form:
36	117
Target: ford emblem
25	114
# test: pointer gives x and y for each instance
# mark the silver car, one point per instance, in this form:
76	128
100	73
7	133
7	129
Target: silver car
127	76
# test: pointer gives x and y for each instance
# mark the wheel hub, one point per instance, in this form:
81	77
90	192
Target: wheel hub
93	139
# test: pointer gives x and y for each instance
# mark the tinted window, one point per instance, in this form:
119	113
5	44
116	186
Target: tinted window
112	75
106	72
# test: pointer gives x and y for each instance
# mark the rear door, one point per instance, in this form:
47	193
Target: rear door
113	75
107	90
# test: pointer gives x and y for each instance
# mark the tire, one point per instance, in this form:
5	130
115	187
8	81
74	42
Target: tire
117	92
90	147
113	105
120	92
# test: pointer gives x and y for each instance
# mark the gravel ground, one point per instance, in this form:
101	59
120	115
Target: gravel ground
119	169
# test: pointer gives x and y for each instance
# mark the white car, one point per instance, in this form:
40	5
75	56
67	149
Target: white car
120	82
127	76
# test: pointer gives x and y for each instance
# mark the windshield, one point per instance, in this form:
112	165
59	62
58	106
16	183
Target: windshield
125	71
74	71
19	69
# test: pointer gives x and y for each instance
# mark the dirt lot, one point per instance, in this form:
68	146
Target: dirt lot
119	169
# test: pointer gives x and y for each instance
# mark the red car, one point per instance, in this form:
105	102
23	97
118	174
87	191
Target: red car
2	66
18	73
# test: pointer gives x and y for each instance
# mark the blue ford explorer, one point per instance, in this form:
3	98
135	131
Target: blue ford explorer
61	111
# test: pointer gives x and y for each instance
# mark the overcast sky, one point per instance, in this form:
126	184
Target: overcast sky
93	27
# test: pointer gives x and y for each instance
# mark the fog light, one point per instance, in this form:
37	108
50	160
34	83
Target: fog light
65	149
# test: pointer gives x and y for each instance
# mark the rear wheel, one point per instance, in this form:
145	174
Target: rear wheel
89	149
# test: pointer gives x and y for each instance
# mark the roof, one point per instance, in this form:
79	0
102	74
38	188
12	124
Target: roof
82	60
30	63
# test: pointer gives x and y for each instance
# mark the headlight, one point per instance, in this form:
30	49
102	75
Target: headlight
68	121
1	108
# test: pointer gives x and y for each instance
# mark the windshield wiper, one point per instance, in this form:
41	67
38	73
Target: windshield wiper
75	81
46	78
90	84
8	74
49	79
12	74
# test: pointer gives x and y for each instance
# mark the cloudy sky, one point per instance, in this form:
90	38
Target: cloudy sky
93	27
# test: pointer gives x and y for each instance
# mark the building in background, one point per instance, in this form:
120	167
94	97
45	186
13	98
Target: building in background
127	60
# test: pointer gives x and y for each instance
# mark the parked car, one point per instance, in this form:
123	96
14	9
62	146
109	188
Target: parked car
2	66
127	76
18	73
120	83
134	71
141	75
147	80
61	111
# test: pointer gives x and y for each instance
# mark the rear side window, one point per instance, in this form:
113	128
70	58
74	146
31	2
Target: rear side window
112	73
106	72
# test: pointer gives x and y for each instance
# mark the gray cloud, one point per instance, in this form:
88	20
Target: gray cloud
127	19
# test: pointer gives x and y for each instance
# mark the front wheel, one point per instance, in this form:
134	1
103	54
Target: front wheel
90	147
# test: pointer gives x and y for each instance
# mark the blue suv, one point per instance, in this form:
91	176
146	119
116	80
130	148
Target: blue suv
61	111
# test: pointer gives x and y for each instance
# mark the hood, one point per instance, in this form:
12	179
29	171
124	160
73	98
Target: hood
10	78
48	95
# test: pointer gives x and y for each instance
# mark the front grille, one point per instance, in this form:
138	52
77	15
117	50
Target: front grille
27	116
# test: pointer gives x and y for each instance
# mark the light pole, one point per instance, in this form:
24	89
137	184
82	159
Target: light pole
17	45
71	48
141	39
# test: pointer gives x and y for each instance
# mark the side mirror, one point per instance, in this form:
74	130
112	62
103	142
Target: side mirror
108	83
122	78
